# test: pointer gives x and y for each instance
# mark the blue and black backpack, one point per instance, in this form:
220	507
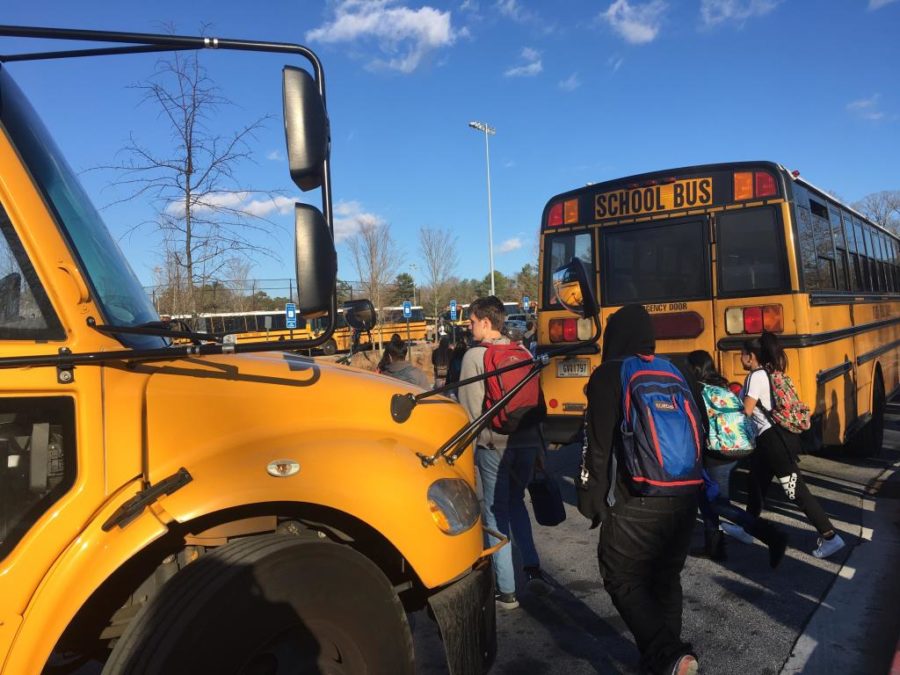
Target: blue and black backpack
661	432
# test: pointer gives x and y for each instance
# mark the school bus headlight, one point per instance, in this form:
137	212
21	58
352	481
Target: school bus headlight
453	505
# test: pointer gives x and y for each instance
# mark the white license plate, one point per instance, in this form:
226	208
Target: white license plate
573	368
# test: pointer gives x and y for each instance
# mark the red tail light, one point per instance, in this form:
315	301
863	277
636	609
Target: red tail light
555	217
563	330
765	184
753	320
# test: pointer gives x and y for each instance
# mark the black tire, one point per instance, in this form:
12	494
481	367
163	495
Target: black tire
329	348
271	604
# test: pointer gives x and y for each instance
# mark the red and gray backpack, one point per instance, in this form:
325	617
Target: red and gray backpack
661	432
527	406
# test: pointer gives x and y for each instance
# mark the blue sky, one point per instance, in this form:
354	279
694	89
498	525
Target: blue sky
578	92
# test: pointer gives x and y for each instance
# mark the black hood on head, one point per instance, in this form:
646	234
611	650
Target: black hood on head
628	331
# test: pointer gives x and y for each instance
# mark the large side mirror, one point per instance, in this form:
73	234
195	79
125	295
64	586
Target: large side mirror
316	261
360	315
306	127
573	290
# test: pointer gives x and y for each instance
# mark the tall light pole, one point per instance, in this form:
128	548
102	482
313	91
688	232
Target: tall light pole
488	131
415	269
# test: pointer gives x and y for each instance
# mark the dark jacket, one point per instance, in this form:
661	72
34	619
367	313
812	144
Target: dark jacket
628	332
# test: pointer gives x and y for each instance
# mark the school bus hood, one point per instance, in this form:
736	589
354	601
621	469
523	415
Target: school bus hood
222	406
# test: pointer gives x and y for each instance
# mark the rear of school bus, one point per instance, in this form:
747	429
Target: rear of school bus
209	507
651	240
712	252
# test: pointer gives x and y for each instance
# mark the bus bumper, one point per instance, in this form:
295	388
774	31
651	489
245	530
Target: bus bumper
562	429
466	614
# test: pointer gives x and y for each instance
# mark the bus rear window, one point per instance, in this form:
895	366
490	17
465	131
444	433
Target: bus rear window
560	250
751	252
655	264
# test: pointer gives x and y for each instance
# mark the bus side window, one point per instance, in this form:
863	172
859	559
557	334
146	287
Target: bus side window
824	246
25	312
841	260
863	257
808	251
855	267
37	461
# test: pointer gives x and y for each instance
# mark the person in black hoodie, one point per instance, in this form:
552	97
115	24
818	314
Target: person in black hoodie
644	541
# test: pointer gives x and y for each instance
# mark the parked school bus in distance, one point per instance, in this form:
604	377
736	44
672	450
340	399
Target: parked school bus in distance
718	253
211	506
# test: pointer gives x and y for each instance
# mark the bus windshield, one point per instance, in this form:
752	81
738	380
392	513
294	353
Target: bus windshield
113	284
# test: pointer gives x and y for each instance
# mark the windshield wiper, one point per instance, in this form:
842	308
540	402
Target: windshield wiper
159	328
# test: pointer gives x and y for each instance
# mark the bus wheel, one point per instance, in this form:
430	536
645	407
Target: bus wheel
271	604
329	348
870	438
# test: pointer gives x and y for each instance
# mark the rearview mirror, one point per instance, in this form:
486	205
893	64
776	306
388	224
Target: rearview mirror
306	128
316	261
573	290
360	314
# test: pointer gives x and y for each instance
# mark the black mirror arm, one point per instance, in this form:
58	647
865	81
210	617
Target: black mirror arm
464	437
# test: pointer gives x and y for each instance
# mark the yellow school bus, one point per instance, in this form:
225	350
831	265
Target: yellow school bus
207	507
253	326
718	253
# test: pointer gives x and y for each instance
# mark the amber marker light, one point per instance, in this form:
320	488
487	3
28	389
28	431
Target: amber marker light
743	185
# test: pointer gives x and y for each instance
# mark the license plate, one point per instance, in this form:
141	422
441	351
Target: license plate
573	368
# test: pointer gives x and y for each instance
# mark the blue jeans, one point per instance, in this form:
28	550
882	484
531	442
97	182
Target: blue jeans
504	475
721	505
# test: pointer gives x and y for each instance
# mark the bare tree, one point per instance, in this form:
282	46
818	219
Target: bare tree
204	216
438	250
882	207
377	259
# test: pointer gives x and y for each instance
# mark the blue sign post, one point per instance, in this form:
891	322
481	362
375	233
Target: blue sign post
407	312
453	310
290	315
525	303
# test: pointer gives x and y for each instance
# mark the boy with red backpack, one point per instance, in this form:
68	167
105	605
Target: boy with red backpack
505	450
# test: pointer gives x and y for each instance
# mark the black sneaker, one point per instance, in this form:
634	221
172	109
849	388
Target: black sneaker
536	582
506	600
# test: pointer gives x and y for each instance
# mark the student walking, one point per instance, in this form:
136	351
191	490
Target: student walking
440	361
644	539
394	363
505	463
729	434
777	449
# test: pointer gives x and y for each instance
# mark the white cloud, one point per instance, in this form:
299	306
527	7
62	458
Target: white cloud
615	62
637	24
571	83
236	201
530	68
719	11
512	9
866	108
510	245
349	218
406	35
878	4
275	155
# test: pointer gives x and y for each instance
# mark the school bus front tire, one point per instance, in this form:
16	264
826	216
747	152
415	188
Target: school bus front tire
329	348
271	604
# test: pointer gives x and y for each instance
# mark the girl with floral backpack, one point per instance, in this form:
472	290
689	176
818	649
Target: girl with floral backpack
778	422
730	437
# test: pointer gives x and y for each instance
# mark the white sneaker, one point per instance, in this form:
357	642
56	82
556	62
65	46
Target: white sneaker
737	532
828	547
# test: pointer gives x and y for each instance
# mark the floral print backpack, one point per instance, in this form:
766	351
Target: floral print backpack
788	411
732	434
